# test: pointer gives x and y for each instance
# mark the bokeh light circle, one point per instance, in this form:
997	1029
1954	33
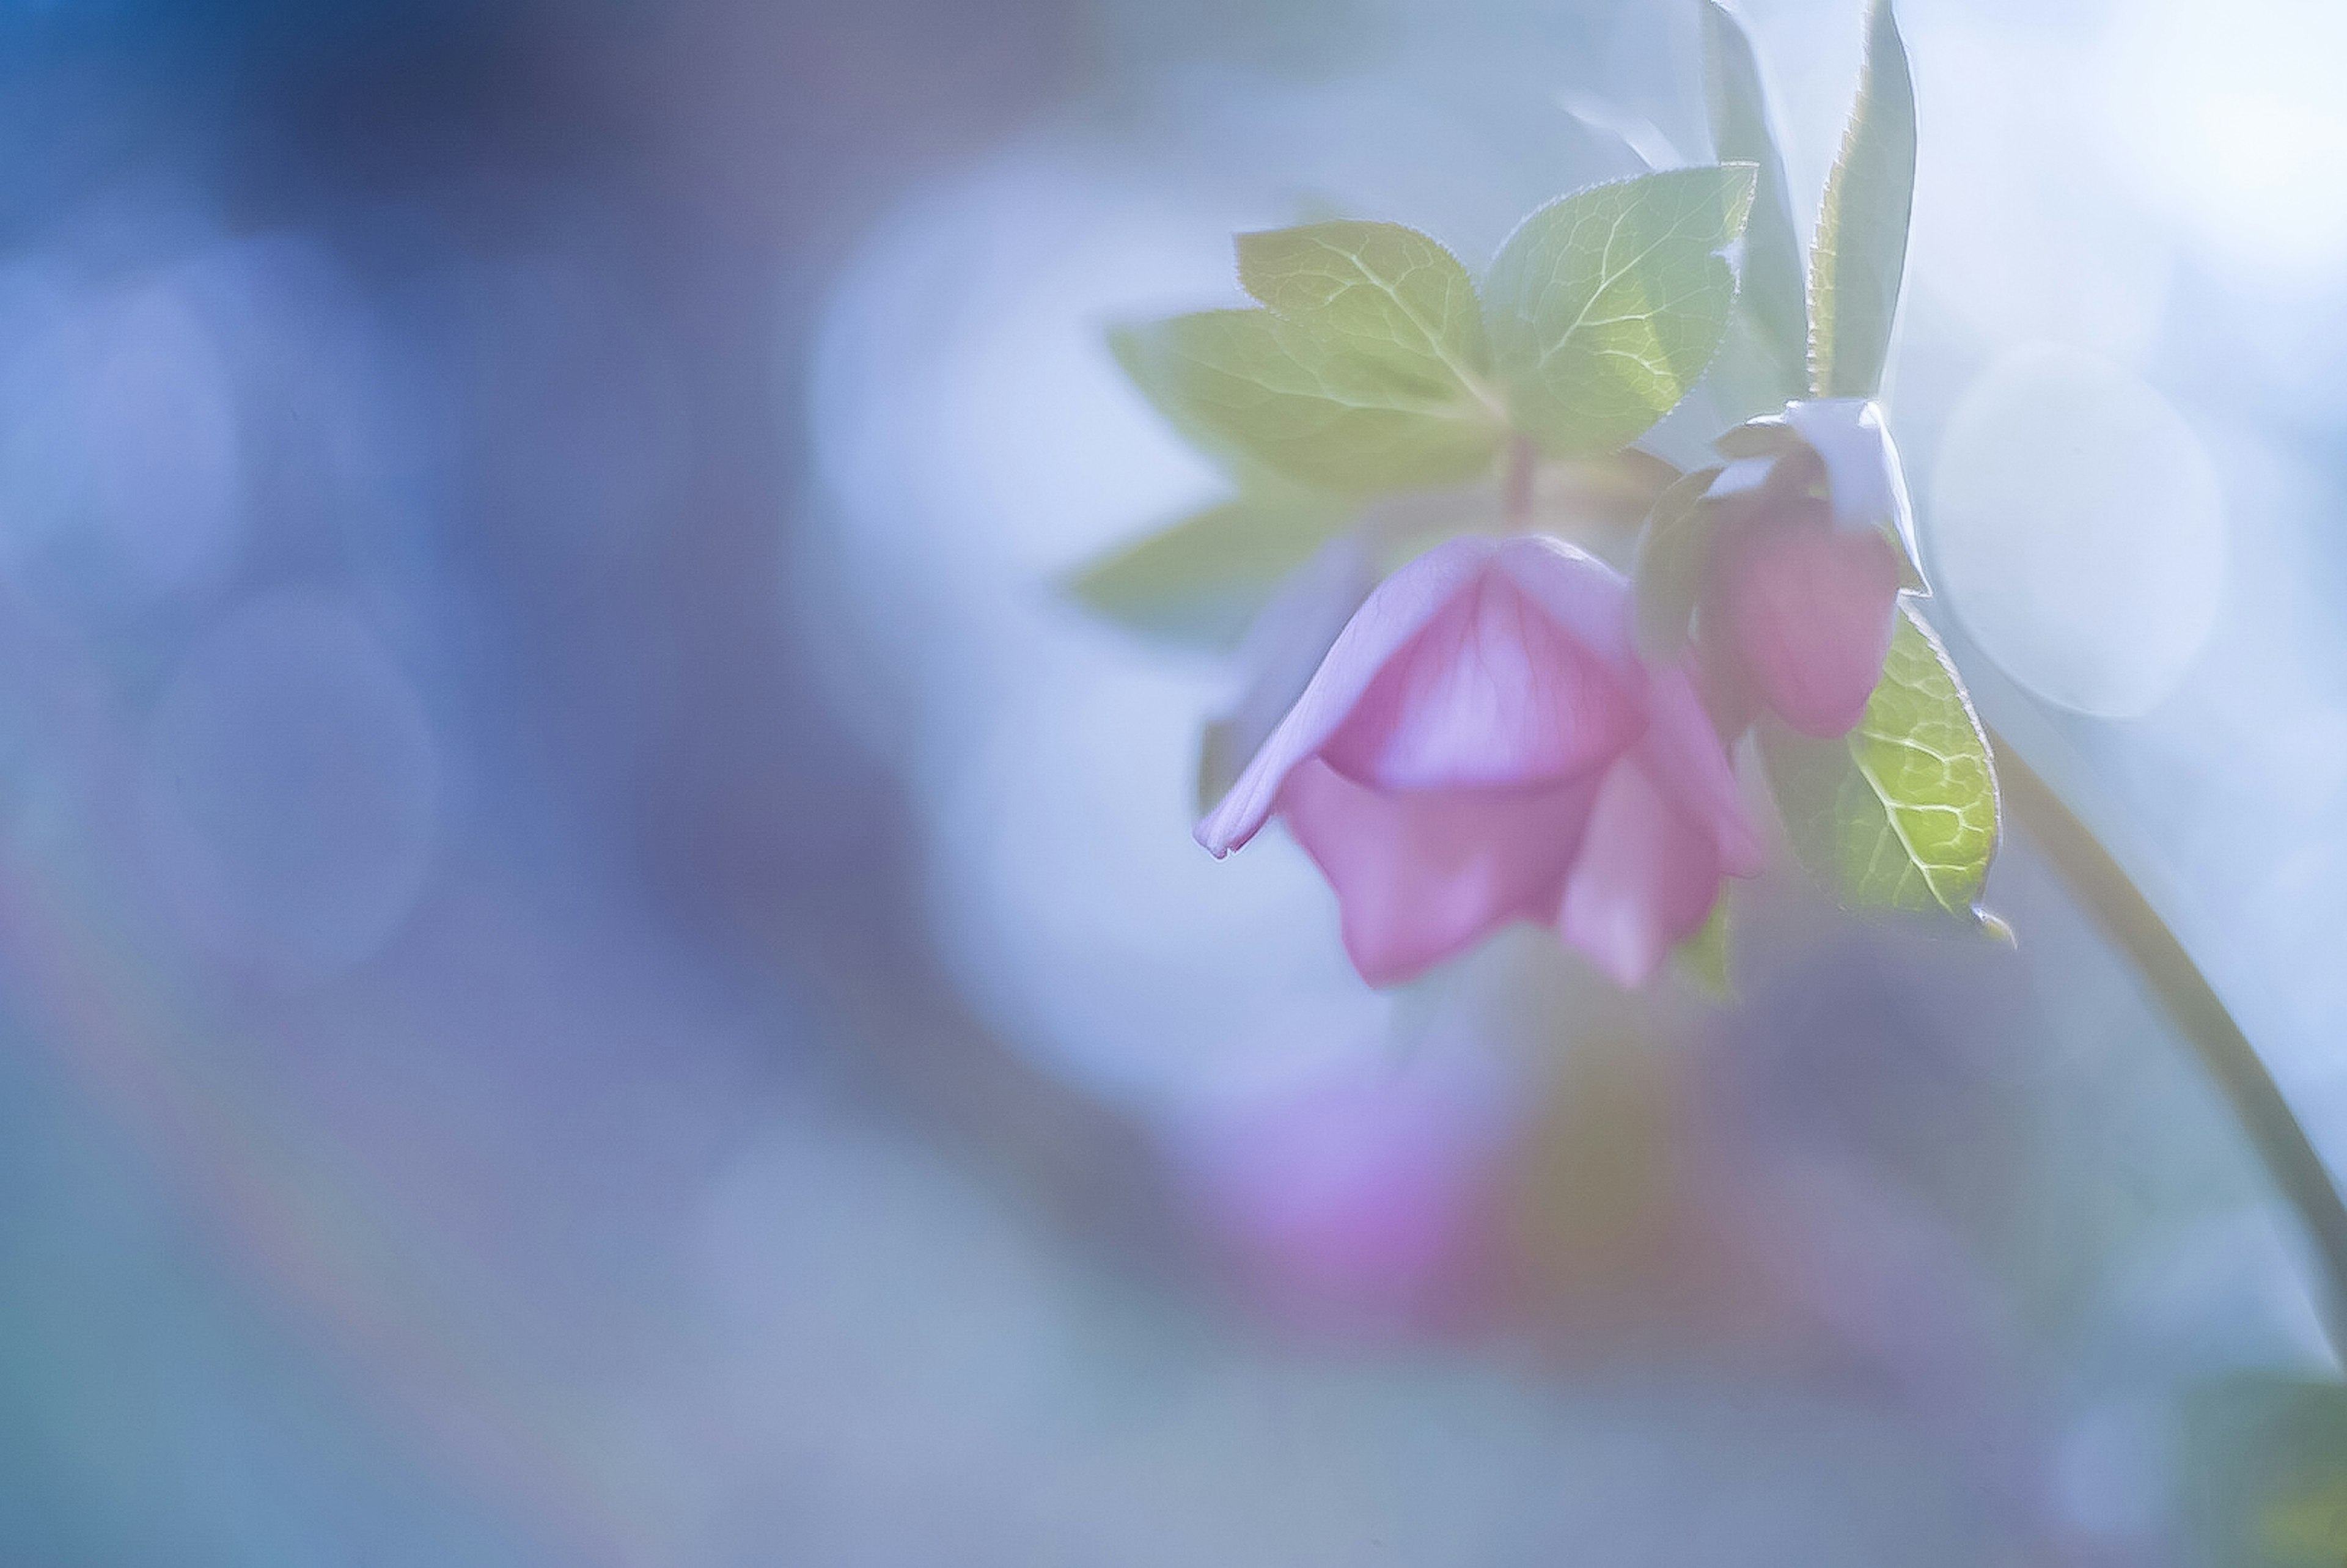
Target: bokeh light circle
290	789
2077	528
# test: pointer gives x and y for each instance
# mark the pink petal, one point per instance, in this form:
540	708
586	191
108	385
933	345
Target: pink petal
1581	593
1422	876
1645	880
1496	691
1726	690
1282	651
1399	608
1809	611
1683	754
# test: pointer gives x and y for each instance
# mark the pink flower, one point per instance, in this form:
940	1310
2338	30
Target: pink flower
1805	584
1356	1201
1804	613
1481	746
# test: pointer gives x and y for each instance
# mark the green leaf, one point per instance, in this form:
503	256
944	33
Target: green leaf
1702	958
1770	329
2264	1473
1201	580
1135	351
1674	549
1901	813
1367	371
1861	244
1606	306
1389	294
1257	383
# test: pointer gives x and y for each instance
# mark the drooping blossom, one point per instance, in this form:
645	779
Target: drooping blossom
1483	745
1282	651
1815	540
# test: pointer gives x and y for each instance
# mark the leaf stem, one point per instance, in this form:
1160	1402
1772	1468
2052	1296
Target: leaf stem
1517	497
2126	916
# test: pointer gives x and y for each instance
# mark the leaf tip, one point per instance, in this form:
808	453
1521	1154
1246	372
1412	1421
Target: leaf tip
1091	582
1249	257
1124	340
1886	53
1743	180
1701	961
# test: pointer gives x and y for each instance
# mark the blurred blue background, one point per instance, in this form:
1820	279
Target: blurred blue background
596	967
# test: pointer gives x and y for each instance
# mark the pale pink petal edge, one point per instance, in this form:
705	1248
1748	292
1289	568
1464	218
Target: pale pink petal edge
1687	760
1644	880
1397	610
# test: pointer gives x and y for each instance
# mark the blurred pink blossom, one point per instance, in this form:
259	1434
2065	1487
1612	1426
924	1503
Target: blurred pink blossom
1357	1203
1482	745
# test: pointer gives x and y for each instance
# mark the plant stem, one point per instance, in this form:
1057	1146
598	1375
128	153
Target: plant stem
1517	496
2126	916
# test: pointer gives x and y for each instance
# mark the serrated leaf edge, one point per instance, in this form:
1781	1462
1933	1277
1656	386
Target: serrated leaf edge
1968	908
1474	382
1825	245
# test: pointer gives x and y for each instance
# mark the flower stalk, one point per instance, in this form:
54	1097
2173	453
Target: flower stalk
2118	907
1524	459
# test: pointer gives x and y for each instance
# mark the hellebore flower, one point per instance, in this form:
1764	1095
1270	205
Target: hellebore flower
1483	745
1815	544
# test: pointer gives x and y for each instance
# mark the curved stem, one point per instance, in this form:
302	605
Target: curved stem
2127	918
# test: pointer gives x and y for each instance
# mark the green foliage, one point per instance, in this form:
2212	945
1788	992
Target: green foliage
1363	374
1606	306
1702	959
1201	580
2265	1474
1390	295
1674	549
1370	370
1901	813
1861	244
1769	346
